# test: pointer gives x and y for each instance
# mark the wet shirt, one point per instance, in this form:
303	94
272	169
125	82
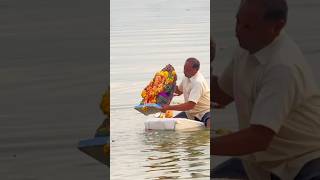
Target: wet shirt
275	88
196	89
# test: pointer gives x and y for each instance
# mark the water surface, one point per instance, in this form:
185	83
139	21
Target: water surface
145	36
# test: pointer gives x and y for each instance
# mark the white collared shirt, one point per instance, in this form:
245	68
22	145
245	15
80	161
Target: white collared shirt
196	89
275	88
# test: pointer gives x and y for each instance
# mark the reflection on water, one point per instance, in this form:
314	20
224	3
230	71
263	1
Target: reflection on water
178	155
140	154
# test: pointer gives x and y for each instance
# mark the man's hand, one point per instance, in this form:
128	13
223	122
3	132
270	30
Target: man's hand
177	92
165	108
180	107
218	96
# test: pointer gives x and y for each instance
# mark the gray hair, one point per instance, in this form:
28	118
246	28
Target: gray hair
195	63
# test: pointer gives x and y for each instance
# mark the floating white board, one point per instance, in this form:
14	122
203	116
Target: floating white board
172	124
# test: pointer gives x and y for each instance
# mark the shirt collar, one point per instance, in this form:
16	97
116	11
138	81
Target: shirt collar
193	77
263	55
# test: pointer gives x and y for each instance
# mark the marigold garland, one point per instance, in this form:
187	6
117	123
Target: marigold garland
162	84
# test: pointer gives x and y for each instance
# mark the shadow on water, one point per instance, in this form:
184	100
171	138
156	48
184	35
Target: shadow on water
177	155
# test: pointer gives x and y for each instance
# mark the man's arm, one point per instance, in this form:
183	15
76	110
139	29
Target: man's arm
218	96
250	140
180	107
177	91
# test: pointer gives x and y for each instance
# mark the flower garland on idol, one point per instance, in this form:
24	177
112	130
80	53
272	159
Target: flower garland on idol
160	89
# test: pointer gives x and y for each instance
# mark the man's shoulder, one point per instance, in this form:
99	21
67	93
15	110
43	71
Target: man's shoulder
284	52
199	80
239	53
198	77
288	50
184	80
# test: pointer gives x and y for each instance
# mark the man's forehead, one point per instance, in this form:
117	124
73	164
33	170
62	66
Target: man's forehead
188	63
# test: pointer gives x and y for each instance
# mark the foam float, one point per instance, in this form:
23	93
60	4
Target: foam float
175	124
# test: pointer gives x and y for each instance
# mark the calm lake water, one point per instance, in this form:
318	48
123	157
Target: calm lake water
145	36
53	73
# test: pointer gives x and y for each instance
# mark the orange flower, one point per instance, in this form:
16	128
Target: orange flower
169	114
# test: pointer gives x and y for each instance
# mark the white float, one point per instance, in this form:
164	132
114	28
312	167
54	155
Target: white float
176	124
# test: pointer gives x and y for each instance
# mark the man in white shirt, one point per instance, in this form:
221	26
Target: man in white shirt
277	100
196	94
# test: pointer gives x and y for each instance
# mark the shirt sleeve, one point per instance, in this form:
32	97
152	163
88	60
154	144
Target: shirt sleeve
277	96
225	81
196	92
180	87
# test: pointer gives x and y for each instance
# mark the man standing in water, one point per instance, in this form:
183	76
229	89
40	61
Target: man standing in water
277	101
196	93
